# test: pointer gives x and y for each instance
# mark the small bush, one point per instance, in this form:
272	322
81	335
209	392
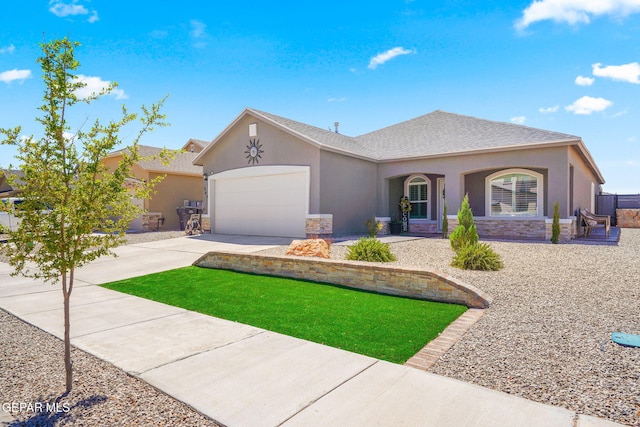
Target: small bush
445	222
478	256
374	227
465	233
555	226
371	250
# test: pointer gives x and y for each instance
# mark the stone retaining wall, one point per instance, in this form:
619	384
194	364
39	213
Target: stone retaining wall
414	283
628	218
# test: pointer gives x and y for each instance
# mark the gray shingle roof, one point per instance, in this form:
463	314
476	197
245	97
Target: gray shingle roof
440	133
320	136
436	133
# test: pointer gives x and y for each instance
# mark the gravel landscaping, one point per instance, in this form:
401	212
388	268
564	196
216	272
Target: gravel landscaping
546	337
32	371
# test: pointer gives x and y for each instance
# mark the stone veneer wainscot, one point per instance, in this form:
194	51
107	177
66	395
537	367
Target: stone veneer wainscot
526	229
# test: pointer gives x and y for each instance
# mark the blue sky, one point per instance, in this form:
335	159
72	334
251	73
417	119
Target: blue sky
565	65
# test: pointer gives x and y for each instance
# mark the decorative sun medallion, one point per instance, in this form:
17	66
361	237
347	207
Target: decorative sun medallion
254	151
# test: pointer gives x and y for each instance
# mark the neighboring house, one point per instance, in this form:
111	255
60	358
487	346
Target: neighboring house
183	181
269	175
7	190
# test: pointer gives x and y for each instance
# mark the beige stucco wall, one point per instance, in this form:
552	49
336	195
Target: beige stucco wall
279	148
170	194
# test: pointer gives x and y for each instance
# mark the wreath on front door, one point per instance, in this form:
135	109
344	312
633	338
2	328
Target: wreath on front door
405	205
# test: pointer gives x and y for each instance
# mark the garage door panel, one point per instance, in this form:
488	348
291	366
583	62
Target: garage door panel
269	204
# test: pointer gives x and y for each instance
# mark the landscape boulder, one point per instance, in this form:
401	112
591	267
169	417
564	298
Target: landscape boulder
310	247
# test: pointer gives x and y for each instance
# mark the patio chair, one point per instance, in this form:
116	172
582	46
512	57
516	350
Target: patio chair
591	220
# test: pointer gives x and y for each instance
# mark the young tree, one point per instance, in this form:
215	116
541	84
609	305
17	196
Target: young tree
68	193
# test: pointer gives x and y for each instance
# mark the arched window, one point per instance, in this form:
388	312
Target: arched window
417	190
514	192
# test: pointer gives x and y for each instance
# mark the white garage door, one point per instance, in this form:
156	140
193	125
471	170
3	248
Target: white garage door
261	201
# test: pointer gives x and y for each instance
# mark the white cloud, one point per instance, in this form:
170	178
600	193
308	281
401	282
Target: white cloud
94	17
587	105
584	81
198	28
62	10
547	110
337	99
383	57
15	74
198	32
519	120
95	85
626	73
574	11
8	49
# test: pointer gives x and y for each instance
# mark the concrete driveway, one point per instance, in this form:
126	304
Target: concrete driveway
244	376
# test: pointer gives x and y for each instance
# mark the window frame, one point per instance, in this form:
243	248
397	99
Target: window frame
515	171
427	182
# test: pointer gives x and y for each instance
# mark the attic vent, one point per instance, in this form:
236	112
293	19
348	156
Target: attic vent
253	129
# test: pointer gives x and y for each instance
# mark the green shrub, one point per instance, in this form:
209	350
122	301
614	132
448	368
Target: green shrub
555	226
477	256
374	227
371	250
465	233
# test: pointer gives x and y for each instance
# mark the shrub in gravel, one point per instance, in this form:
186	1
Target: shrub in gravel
555	226
477	256
465	233
371	250
445	222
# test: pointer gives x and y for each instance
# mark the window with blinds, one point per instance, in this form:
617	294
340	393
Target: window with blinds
418	196
514	194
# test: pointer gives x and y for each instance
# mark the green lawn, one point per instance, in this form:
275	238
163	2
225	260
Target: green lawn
381	326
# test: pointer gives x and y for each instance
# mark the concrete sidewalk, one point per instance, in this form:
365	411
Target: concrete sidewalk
244	376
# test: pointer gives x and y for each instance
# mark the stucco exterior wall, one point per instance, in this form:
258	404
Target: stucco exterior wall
279	148
170	194
583	177
454	169
136	171
347	191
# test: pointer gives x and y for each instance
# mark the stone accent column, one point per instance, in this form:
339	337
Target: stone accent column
385	221
567	229
206	223
319	226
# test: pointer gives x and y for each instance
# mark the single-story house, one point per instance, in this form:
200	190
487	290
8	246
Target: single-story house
182	182
269	175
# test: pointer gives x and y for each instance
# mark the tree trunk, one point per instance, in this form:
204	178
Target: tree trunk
66	292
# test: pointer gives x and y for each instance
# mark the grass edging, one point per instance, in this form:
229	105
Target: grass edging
381	326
